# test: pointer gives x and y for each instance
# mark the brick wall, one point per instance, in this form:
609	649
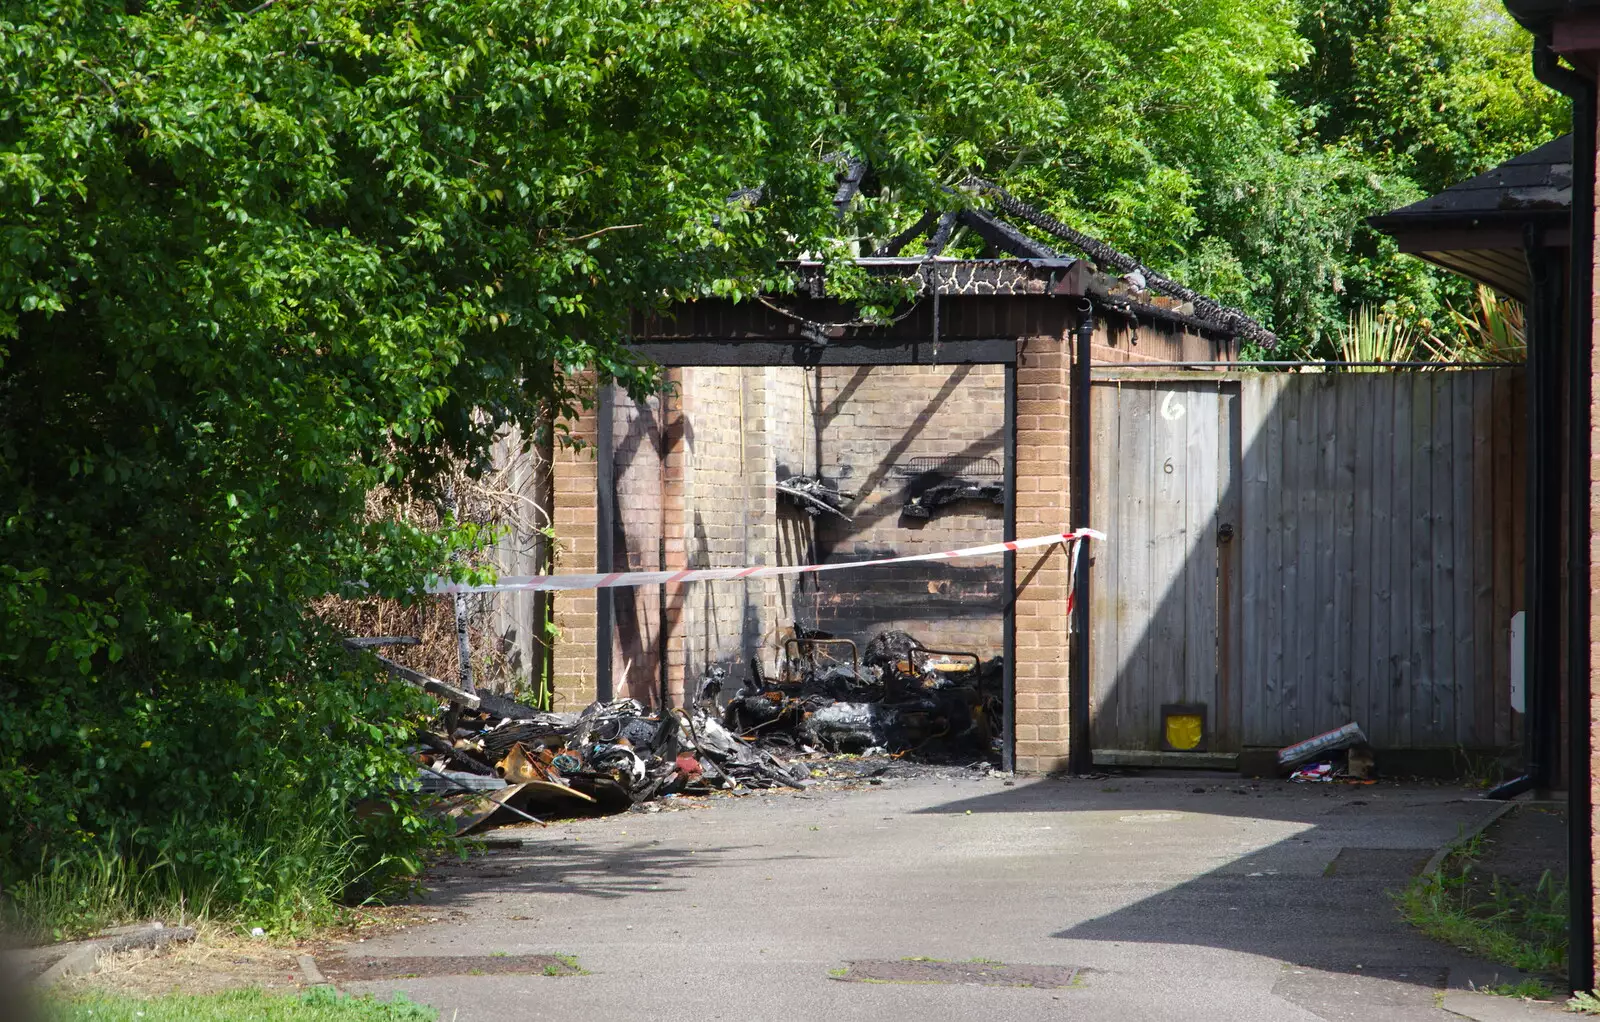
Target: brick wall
873	423
637	473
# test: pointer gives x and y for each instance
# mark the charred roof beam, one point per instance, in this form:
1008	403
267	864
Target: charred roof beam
1004	237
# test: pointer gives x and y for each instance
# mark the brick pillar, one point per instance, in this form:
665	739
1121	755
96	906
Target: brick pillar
1042	491
575	515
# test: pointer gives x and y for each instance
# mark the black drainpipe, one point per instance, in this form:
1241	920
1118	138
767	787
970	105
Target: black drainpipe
1080	757
1541	494
1580	266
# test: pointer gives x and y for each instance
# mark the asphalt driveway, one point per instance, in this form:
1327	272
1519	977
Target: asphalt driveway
1193	897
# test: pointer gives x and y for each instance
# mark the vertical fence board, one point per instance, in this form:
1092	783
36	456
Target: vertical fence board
1440	531
1348	397
1229	569
1320	545
1138	609
1326	665
1202	439
1362	408
1275	589
1255	682
1422	627
1308	596
1464	526
1379	721
1401	667
1168	568
1504	479
1105	593
1482	602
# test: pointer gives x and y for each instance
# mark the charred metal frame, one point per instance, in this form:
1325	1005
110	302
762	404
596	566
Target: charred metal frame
835	353
1080	755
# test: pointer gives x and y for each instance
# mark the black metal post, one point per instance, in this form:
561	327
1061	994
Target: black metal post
1008	742
605	523
1543	635
1080	755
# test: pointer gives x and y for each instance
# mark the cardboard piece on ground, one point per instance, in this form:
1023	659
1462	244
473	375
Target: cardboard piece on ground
474	812
551	795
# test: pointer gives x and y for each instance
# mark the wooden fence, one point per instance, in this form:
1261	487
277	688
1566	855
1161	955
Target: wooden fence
1296	551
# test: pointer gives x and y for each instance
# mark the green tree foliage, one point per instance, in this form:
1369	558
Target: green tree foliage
1415	96
1240	147
1439	91
259	259
255	264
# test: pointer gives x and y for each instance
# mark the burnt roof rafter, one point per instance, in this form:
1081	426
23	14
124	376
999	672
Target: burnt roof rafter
1003	236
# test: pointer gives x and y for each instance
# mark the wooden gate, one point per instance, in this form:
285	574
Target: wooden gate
1164	457
1291	552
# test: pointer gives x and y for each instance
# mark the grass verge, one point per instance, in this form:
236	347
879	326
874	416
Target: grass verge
1483	916
318	1005
289	875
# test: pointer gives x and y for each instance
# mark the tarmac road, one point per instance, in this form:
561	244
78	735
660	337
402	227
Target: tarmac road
1235	903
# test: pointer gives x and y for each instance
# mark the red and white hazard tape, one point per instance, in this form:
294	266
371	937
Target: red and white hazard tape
535	583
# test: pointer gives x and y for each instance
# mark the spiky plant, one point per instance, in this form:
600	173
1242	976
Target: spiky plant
1493	330
1373	335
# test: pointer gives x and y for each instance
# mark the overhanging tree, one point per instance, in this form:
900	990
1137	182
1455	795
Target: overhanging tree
255	263
257	260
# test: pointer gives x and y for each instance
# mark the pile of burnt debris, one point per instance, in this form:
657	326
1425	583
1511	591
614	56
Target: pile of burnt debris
497	761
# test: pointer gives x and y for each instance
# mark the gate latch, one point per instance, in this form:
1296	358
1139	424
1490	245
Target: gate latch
1225	532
